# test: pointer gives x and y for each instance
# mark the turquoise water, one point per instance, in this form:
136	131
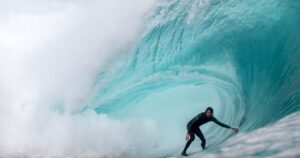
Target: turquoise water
240	57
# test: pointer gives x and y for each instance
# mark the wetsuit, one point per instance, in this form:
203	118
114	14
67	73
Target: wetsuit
193	128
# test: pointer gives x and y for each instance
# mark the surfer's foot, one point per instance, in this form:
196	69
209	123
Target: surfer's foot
203	147
184	154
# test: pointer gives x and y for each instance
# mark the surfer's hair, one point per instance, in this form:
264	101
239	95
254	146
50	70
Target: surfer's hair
210	109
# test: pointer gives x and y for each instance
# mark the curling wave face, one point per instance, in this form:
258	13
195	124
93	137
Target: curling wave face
241	57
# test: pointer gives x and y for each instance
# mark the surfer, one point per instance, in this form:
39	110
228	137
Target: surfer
196	122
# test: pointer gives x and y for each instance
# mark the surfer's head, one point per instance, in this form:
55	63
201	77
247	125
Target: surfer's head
209	111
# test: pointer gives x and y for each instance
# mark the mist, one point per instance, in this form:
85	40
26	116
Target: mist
51	52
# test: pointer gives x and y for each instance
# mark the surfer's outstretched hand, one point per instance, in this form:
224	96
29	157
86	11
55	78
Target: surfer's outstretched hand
235	129
187	136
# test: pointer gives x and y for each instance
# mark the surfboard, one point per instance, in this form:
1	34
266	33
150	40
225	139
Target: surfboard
179	156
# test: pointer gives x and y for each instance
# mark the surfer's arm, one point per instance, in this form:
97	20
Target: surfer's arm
220	123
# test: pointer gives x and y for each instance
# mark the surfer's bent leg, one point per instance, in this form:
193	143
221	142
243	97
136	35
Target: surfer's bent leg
188	143
200	135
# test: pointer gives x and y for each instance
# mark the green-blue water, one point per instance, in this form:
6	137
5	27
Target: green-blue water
240	57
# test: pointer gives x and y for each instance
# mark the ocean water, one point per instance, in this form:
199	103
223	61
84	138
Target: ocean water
240	57
60	97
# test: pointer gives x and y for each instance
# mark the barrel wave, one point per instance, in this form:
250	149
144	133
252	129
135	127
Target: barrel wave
240	57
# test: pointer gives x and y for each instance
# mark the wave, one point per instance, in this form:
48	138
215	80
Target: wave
240	57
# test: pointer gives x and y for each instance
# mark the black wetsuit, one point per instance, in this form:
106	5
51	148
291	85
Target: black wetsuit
193	128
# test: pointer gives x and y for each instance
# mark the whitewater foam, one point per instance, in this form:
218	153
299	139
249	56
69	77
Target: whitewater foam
281	139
